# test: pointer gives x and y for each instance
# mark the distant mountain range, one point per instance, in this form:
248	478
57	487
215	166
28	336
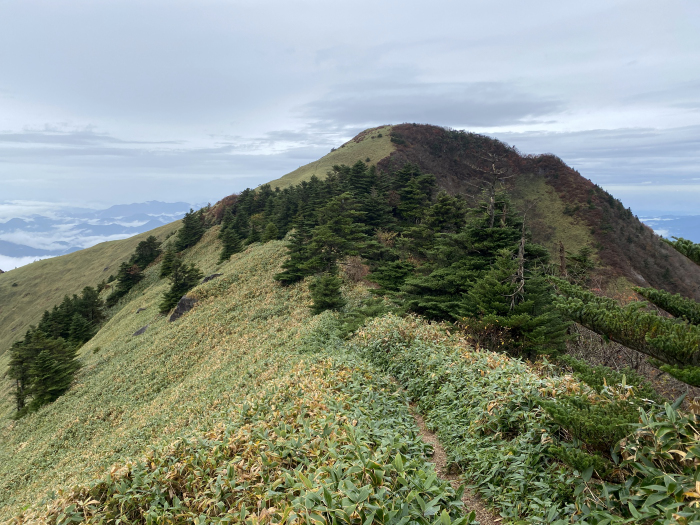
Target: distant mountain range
669	226
71	229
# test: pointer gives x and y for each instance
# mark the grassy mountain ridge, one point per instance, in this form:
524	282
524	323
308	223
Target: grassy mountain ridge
139	390
251	408
373	144
42	284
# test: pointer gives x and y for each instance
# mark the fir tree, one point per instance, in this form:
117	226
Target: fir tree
129	275
166	267
231	243
191	230
253	236
676	305
508	311
325	292
81	330
340	233
293	266
146	252
183	278
271	233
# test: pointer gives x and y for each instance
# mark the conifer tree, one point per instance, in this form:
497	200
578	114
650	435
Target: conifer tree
146	252
688	248
81	330
672	344
166	267
293	266
129	275
326	294
191	230
43	369
22	355
90	306
253	236
676	305
340	233
231	243
522	312
271	233
183	278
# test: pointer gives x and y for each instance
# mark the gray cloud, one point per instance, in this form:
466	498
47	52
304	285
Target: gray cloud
650	170
472	104
126	101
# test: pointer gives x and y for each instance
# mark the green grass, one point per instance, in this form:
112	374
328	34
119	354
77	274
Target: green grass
236	367
547	219
42	284
349	153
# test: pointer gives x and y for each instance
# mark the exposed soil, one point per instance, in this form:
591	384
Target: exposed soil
439	459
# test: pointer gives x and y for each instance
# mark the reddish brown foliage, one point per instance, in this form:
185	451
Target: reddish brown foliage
624	245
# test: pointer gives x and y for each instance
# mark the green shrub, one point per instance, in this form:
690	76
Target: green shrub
581	461
600	377
325	292
599	425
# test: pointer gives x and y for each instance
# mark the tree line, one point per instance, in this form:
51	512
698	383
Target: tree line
42	364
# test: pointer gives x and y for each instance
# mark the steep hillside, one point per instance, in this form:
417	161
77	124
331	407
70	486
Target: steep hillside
561	205
215	386
373	144
29	290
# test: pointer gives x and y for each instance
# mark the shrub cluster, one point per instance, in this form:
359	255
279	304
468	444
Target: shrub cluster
330	444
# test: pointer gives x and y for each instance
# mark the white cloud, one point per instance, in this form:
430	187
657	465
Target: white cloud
10	263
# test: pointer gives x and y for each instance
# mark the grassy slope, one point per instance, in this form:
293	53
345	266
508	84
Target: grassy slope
362	147
547	218
137	391
42	284
197	379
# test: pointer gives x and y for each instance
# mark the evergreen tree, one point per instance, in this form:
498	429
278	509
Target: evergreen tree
271	233
81	330
191	230
129	275
43	369
90	306
676	305
514	313
183	278
293	266
456	260
326	294
672	344
22	355
231	243
146	252
166	267
688	248
340	233
253	236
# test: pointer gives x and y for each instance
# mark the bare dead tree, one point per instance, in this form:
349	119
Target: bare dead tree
496	170
562	260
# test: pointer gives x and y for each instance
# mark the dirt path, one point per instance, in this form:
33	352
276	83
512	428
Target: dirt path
439	459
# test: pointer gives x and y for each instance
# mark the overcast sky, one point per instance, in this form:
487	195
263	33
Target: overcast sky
105	102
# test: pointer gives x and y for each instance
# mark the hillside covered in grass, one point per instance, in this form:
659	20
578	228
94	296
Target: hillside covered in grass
284	386
249	408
